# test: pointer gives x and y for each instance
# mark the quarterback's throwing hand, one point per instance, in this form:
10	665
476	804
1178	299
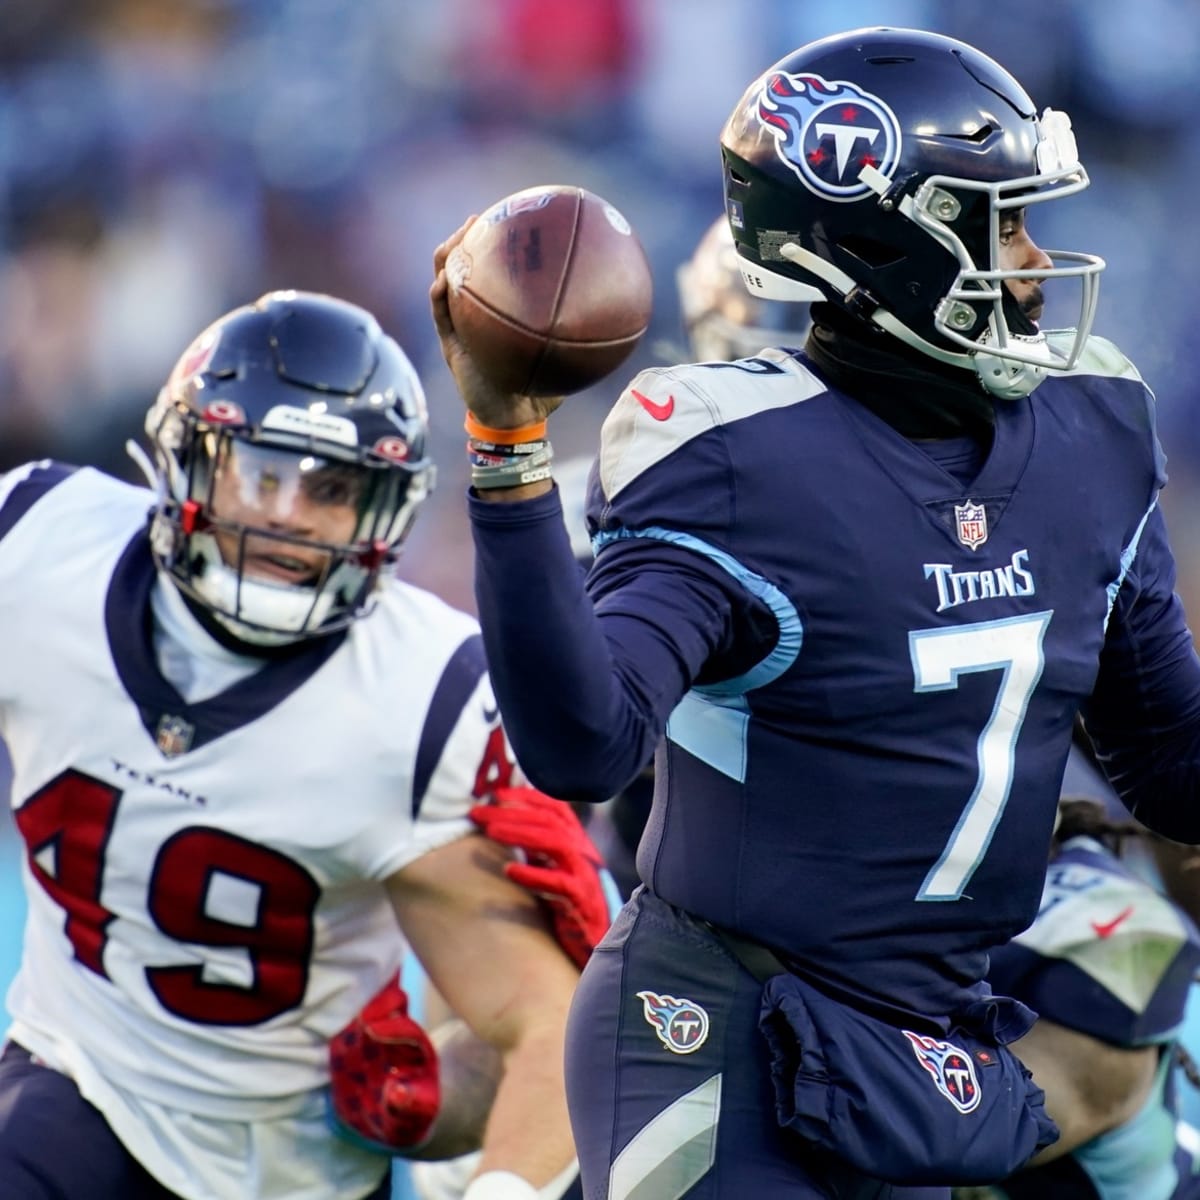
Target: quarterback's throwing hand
562	866
384	1075
488	402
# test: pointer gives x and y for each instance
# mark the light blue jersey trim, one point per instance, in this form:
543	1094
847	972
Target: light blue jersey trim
612	894
715	731
1127	557
712	720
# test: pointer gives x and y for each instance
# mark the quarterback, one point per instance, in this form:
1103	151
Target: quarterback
852	598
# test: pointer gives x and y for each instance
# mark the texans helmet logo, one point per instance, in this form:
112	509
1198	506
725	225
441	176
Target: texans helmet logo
394	449
827	132
223	412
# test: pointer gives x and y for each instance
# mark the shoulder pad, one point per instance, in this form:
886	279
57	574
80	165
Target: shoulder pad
1112	927
665	407
24	486
1099	357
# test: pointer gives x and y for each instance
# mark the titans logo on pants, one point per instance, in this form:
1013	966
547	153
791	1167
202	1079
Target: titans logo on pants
827	132
681	1025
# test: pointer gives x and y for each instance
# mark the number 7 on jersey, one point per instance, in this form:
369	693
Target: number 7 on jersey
1013	646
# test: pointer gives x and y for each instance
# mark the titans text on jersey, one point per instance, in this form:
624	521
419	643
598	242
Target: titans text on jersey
982	583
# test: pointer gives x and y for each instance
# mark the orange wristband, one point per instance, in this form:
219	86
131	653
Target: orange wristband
505	437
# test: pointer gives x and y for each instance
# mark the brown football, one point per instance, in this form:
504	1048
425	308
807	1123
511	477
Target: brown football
549	290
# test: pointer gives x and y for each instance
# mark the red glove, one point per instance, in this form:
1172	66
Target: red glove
562	866
384	1075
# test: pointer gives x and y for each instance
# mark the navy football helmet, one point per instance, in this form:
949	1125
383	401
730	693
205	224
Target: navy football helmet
286	419
873	169
722	318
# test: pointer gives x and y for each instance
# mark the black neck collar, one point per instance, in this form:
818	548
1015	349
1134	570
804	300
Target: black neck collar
917	395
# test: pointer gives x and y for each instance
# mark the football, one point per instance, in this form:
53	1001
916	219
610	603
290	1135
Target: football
549	290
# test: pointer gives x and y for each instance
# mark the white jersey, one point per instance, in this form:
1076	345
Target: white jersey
205	878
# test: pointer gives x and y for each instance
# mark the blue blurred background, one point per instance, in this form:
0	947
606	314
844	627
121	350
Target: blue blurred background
164	160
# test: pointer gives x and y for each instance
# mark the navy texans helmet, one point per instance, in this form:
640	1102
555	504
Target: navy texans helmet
873	169
286	420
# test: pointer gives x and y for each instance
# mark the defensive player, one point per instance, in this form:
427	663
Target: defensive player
864	589
244	751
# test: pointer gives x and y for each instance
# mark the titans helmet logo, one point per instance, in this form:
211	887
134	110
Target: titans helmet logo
951	1069
827	132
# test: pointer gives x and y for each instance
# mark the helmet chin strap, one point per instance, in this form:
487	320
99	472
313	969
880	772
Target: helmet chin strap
1002	377
843	284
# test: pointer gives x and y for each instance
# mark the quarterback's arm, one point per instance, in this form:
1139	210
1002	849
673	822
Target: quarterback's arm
586	679
484	943
1091	1087
1144	713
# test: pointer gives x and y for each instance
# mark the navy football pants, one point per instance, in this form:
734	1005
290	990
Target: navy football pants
667	1077
54	1145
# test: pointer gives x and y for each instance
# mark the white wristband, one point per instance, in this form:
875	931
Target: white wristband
500	1185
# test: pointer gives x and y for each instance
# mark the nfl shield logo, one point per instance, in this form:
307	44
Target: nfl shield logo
173	736
971	519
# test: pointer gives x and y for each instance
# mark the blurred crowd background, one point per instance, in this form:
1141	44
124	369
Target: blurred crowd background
162	161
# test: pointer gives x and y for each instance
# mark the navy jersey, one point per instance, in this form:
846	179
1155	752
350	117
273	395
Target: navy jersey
868	671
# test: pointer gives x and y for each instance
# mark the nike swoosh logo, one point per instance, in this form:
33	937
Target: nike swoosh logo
490	714
1105	929
660	412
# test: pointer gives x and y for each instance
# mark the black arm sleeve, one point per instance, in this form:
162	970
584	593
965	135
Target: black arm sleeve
586	678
